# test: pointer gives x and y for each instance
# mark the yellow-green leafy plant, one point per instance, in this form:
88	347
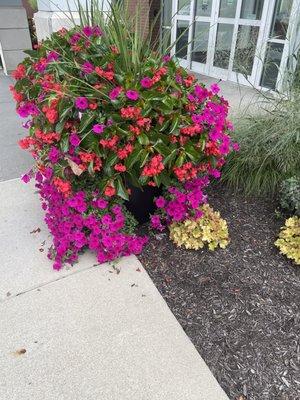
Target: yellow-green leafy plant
289	239
210	229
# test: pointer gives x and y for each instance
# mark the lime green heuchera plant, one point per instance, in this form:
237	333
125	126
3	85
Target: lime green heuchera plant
96	124
289	239
209	229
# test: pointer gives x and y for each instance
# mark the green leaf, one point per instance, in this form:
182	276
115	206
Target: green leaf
180	160
192	152
168	160
143	139
121	190
174	124
102	184
162	178
133	157
31	53
165	125
111	159
59	127
65	112
22	82
162	149
116	117
169	102
133	179
165	179
64	143
121	130
157	180
86	120
147	110
144	158
91	168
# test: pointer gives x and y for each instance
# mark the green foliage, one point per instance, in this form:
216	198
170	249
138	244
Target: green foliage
122	30
210	229
33	4
289	239
290	195
269	148
146	140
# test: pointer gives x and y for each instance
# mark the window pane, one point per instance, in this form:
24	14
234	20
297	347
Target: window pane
227	8
167	13
183	39
271	65
223	45
184	7
245	49
203	7
281	18
252	9
200	42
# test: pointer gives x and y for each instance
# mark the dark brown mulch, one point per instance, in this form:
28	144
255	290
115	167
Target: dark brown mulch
239	306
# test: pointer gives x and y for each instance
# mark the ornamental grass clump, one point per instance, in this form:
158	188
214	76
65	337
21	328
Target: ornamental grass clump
208	229
289	239
269	147
101	118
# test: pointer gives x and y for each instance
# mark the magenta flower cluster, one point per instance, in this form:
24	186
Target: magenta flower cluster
80	222
180	203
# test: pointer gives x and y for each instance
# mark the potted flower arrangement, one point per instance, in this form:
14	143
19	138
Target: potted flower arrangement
108	134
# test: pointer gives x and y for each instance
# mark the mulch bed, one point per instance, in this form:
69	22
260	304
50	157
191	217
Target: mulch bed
239	306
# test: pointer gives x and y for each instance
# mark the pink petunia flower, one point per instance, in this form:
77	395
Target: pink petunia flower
87	67
74	140
215	88
88	30
215	173
98	128
160	202
132	95
97	31
54	155
25	178
114	93
166	58
102	204
52	56
81	103
146	82
235	146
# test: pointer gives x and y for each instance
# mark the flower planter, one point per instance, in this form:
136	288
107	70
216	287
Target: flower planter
94	123
141	202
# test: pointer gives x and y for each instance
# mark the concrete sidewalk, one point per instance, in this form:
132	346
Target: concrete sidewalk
87	332
13	160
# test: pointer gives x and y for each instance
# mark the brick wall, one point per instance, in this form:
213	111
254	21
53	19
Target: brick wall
148	10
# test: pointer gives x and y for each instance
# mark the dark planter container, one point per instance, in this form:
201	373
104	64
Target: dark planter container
141	203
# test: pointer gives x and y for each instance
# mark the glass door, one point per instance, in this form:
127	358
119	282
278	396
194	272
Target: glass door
237	33
183	31
201	37
219	37
279	48
244	41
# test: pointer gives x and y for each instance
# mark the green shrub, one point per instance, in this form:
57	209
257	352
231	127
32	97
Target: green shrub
269	148
290	195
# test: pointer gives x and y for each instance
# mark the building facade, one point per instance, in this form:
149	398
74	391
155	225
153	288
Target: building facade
253	42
